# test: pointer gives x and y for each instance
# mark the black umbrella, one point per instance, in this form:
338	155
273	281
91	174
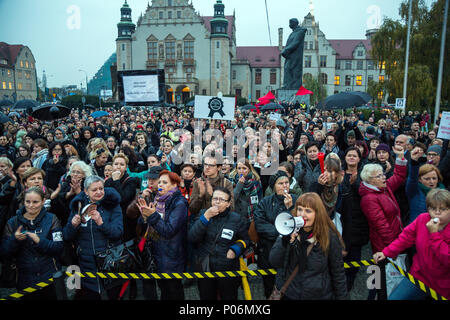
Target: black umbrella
367	97
190	103
342	100
4	118
26	104
247	107
50	111
89	106
6	103
271	106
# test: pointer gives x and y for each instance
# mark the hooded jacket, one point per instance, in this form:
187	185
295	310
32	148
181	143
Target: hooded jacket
431	264
35	262
91	238
382	210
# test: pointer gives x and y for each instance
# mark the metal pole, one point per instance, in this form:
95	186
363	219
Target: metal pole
405	79
441	65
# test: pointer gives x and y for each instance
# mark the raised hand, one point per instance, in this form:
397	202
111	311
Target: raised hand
146	209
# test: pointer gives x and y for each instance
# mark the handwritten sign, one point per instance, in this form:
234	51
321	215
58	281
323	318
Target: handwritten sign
444	127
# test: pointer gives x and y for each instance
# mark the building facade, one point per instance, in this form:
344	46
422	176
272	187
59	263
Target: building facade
18	79
200	56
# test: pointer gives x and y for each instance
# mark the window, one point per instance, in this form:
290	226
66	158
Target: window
234	74
169	15
258	76
217	65
204	92
21	63
189	49
169	3
380	95
360	53
348	81
123	66
26	64
28	86
152	50
189	77
273	76
359	80
161	15
370	78
178	14
382	65
238	92
4	85
170	50
323	78
337	80
359	65
370	65
19	74
27	75
9	73
123	46
218	85
258	94
19	86
311	45
218	44
323	61
348	64
307	61
338	64
381	79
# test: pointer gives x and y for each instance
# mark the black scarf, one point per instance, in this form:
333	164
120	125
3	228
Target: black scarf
300	249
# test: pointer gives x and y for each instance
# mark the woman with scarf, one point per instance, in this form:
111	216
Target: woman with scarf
421	180
247	192
307	171
166	222
312	256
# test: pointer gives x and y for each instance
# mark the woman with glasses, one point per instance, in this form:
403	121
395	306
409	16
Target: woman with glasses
215	234
430	233
378	201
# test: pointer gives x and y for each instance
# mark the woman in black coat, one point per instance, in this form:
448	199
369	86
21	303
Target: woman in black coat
355	229
34	238
55	165
313	254
215	234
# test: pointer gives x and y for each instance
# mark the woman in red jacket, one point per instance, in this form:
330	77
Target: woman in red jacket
430	233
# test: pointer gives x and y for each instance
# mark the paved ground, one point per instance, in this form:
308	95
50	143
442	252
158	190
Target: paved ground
359	291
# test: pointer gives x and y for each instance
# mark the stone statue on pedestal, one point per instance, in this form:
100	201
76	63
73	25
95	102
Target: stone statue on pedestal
293	53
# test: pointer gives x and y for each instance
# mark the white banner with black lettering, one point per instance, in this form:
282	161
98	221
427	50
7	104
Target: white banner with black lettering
207	107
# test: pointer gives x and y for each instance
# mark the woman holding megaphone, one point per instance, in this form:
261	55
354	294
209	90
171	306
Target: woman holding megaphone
311	258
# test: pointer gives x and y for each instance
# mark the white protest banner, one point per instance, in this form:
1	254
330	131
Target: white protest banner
207	107
141	88
275	116
400	103
444	126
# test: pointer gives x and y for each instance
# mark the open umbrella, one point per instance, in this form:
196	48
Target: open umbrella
25	104
50	111
14	113
4	118
247	107
190	103
99	114
6	103
271	106
342	100
89	106
367	97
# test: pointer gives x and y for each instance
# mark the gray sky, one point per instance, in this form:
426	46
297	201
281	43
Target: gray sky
68	35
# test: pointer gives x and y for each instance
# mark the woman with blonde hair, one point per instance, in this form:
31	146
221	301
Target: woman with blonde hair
312	256
99	157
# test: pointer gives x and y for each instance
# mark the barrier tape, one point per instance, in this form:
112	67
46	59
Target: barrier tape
207	275
419	284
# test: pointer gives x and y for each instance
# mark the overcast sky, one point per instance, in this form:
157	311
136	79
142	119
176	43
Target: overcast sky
68	35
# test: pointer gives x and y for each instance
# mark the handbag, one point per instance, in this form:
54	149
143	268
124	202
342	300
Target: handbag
393	276
117	259
146	260
278	294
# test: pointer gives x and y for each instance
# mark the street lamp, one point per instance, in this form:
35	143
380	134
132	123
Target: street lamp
87	89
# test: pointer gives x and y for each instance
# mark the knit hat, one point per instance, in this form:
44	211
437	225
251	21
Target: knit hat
384	147
273	179
435	148
351	133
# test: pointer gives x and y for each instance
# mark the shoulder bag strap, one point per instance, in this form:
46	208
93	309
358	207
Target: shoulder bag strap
294	272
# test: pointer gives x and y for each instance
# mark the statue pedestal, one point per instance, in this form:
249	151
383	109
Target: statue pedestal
289	96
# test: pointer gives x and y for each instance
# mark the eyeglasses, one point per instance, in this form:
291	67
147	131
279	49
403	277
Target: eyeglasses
381	175
209	165
436	210
429	154
220	200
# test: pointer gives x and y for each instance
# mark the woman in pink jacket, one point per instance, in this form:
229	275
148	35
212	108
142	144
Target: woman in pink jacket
430	234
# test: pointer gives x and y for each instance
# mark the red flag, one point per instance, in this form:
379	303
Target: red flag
303	91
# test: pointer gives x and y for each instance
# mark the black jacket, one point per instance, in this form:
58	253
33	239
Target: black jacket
217	236
324	277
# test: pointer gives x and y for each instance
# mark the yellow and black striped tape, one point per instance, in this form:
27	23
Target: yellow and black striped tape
419	284
38	286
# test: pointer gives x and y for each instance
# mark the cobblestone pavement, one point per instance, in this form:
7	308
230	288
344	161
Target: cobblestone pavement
359	291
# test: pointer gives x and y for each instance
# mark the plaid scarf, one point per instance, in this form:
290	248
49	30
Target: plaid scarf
251	188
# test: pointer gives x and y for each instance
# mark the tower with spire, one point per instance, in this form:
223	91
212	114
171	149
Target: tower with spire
220	51
125	29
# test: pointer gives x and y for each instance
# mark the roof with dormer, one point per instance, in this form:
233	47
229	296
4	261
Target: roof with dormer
9	53
345	48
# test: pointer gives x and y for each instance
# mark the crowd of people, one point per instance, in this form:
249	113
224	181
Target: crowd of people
160	175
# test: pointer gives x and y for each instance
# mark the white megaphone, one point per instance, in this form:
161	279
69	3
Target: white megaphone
287	224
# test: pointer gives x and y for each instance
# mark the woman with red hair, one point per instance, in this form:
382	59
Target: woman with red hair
166	222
